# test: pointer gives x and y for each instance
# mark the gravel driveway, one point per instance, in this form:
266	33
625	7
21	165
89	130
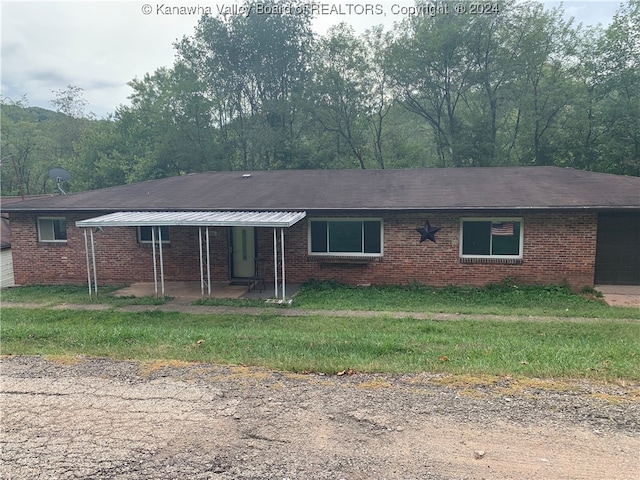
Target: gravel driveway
95	418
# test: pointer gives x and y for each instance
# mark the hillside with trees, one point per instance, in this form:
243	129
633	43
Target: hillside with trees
524	86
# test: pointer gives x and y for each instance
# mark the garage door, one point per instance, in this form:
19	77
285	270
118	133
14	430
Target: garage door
618	249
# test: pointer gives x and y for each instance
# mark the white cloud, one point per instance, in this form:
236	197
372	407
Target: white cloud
97	46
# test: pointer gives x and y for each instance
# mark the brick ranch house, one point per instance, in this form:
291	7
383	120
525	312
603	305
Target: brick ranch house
534	225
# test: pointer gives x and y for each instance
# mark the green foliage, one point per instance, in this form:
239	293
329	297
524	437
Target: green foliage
605	350
253	70
34	140
522	87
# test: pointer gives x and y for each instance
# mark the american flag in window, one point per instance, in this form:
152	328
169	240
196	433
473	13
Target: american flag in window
503	229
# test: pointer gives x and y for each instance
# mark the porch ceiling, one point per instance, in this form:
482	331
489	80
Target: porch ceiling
195	219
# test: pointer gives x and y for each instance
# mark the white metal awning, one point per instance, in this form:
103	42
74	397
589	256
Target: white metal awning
195	219
202	220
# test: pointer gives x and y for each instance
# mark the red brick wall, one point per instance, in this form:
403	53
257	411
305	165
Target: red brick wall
119	256
557	247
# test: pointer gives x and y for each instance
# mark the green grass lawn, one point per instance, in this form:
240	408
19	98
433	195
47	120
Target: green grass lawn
602	349
502	299
73	294
606	347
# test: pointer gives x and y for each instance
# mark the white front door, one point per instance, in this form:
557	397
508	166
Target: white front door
243	252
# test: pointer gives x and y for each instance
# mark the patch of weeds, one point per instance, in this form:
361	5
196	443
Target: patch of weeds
67	360
414	286
231	302
547	384
149	367
466	381
315	284
244	372
615	399
587	290
376	383
131	300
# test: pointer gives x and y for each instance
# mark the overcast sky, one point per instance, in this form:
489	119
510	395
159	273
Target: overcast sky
99	46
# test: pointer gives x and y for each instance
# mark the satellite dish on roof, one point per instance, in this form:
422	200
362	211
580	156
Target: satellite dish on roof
59	175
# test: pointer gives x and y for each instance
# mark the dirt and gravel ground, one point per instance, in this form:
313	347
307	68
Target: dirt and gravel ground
95	418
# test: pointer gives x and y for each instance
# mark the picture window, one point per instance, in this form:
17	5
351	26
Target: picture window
345	237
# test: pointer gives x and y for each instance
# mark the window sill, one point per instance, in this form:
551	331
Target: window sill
492	260
344	260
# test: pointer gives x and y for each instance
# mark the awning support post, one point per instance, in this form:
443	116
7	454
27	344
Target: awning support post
155	267
86	249
275	262
282	259
161	261
208	267
201	266
95	273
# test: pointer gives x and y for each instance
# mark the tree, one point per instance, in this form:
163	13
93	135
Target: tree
29	138
494	43
18	146
430	68
71	102
618	72
254	69
169	124
338	93
382	95
546	53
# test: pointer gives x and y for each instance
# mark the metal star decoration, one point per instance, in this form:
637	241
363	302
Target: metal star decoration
427	232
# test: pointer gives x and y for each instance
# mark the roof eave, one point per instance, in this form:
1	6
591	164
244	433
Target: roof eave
327	208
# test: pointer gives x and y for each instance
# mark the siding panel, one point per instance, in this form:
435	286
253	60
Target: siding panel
6	269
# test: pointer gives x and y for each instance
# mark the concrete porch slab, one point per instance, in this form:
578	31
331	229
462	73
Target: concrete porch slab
620	295
182	290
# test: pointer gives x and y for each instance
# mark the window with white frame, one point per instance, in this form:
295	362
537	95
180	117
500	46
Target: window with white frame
491	238
345	236
52	229
145	234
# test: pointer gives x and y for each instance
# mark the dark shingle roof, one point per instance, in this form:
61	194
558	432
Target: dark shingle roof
410	189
